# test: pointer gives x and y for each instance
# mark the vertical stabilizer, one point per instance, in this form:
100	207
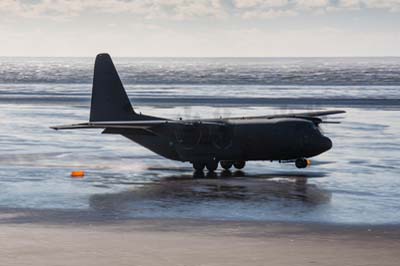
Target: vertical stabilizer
109	99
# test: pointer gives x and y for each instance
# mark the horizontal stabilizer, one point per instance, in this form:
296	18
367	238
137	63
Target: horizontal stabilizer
137	124
113	124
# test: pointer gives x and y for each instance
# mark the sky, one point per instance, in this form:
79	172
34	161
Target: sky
200	28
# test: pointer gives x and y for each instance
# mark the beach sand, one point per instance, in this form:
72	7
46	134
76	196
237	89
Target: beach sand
196	242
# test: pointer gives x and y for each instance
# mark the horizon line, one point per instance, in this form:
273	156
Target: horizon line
221	57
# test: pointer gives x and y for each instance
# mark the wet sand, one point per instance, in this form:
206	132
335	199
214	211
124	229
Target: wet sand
196	242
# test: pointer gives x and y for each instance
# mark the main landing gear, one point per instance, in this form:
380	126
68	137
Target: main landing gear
199	166
210	165
226	164
237	164
213	165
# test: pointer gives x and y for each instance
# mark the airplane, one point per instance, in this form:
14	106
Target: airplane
205	143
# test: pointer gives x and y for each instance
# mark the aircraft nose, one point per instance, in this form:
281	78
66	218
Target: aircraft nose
325	143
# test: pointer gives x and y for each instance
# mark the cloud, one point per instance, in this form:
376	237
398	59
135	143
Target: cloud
349	4
197	28
148	9
316	4
260	3
311	4
185	9
268	14
392	5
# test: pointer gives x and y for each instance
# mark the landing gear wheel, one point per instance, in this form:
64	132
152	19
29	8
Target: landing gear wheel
198	166
301	163
212	165
239	164
198	174
226	164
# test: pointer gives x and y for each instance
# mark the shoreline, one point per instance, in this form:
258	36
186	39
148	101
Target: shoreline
65	217
196	242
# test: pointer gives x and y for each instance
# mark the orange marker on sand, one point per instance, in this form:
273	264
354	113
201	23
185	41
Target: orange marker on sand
77	174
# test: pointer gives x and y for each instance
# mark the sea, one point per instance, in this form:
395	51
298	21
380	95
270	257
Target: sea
357	182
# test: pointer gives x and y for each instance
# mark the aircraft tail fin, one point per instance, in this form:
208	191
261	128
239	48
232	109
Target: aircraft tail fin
109	99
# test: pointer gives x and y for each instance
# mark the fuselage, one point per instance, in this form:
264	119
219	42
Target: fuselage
237	139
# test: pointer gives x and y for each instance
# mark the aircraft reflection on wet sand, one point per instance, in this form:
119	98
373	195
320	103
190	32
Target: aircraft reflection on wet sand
182	196
169	194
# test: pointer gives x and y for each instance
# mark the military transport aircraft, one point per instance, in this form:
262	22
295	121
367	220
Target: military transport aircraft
204	142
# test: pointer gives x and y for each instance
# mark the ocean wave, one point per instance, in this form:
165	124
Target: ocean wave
168	95
211	101
208	71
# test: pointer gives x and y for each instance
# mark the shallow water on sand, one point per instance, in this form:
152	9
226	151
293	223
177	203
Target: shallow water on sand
357	182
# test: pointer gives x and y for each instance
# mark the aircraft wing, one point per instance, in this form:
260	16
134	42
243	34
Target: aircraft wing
147	124
305	115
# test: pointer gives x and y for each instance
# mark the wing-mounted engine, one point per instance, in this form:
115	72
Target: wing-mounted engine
315	120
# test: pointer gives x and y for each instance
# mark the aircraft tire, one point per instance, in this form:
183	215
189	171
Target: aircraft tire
212	165
198	166
301	163
226	164
239	164
198	174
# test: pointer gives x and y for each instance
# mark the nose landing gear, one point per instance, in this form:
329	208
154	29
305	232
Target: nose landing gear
302	162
